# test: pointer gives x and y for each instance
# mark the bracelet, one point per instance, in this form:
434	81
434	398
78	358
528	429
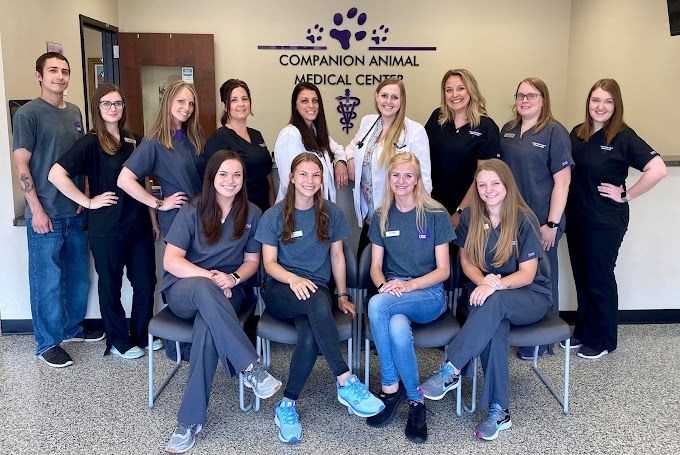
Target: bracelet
381	286
344	294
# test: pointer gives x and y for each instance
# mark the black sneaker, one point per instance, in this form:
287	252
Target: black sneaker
86	335
392	403
592	354
56	357
416	426
574	343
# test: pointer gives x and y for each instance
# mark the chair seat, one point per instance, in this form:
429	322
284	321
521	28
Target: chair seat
283	330
167	325
548	330
434	334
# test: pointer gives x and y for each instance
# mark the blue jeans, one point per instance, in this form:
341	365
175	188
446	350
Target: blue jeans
390	317
59	282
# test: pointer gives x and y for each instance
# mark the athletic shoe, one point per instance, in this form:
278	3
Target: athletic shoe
527	352
157	345
288	421
574	343
134	352
263	384
86	335
416	425
497	419
355	395
440	383
183	438
392	402
592	354
56	357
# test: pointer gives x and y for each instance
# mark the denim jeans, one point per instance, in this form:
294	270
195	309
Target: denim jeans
390	317
59	281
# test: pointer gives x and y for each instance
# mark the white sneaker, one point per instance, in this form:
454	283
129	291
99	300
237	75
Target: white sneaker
134	352
157	344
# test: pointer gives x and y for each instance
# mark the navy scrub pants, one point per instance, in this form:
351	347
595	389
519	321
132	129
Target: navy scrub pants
217	336
485	334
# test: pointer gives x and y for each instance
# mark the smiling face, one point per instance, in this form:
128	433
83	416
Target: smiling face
306	178
307	105
114	113
388	100
239	104
181	108
229	178
601	107
528	101
403	179
456	94
491	189
55	76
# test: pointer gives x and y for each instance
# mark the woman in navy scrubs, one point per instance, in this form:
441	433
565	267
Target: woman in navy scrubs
604	147
461	135
247	142
538	151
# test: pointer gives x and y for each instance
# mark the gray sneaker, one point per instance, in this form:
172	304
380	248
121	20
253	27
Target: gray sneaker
441	382
497	419
263	384
183	438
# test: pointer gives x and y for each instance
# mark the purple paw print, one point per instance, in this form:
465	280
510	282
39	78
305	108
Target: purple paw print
313	33
379	34
344	36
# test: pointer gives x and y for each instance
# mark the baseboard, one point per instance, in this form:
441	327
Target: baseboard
670	316
25	326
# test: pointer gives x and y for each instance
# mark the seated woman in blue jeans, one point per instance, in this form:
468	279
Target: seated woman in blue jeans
410	237
301	244
211	249
500	246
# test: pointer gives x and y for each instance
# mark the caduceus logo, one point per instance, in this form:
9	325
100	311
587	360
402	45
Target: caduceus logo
346	108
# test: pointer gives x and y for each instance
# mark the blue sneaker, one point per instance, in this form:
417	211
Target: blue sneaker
497	419
358	399
288	421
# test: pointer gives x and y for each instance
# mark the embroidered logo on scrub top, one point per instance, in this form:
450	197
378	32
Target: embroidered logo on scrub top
653	152
531	254
248	226
539	145
607	148
262	144
475	133
423	235
79	126
510	135
565	163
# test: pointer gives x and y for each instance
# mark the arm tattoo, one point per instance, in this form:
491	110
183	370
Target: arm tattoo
25	183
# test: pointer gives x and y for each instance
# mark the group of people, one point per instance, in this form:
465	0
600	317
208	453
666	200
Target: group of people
458	187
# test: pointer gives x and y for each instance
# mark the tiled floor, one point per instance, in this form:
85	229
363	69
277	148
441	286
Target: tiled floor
628	402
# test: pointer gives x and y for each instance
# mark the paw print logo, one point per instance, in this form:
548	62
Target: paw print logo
380	34
344	36
314	33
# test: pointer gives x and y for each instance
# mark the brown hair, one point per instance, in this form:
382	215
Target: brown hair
40	61
319	203
392	135
478	231
109	144
312	142
209	209
476	107
545	116
615	124
162	128
225	95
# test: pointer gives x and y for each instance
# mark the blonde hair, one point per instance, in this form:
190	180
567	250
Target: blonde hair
512	210
476	107
162	128
392	135
424	203
545	116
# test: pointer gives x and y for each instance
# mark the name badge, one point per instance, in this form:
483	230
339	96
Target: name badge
392	234
475	133
510	135
296	234
538	144
607	148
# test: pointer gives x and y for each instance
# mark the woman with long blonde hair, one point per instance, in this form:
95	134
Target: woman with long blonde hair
172	151
500	252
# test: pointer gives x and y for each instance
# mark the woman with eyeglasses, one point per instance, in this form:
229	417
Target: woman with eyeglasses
378	139
172	151
121	230
307	131
597	214
461	135
538	150
234	134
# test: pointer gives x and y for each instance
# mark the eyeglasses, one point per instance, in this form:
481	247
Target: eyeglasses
108	104
528	96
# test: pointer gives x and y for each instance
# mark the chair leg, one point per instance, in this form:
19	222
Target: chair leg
473	399
178	363
349	356
564	401
367	351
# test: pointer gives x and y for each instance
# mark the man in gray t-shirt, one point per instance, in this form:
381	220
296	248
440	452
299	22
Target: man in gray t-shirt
44	129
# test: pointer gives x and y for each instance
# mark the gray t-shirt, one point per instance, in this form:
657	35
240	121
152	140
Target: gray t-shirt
305	255
47	132
409	252
179	169
225	255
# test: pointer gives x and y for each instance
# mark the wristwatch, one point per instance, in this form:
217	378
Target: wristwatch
459	210
237	279
552	225
159	204
624	196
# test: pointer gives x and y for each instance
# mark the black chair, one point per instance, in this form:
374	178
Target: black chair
435	334
270	328
172	328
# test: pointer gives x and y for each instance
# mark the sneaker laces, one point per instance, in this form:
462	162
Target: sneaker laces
256	374
358	389
288	414
182	429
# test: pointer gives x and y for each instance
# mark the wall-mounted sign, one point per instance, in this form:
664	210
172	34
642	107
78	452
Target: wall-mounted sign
188	74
